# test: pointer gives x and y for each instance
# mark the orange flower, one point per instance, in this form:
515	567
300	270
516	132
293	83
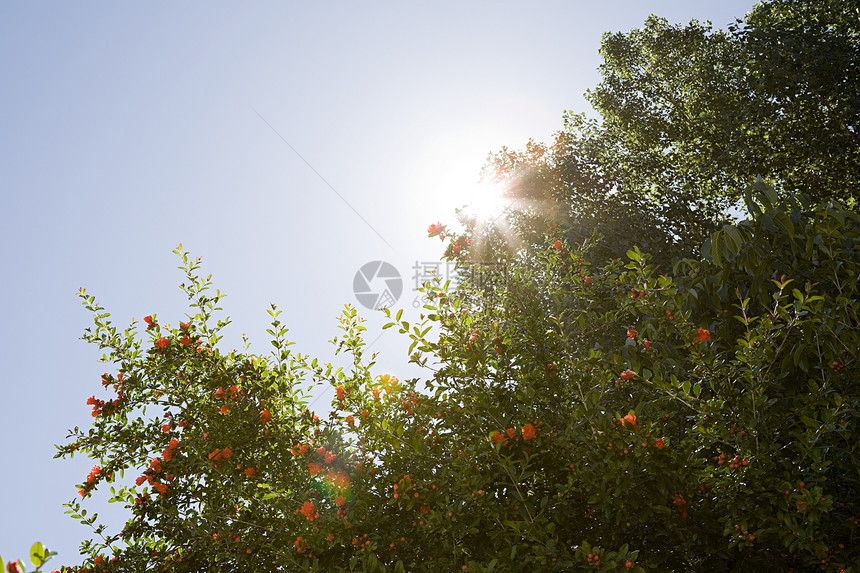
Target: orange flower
314	468
434	229
309	511
702	334
631	332
227	454
250	471
340	393
349	420
162	343
330	457
631	420
186	341
265	416
628	374
498	437
529	432
511	432
161	487
340	500
557	245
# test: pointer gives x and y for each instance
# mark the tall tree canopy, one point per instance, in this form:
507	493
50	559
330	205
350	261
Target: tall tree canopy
690	116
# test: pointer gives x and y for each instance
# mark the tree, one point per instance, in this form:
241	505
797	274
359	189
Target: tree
689	116
587	405
588	414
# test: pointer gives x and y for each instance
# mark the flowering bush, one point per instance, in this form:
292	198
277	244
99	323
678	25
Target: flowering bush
723	440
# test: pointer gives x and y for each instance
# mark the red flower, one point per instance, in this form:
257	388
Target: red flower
309	511
434	229
350	420
340	500
250	471
498	437
659	443
511	432
628	374
186	341
330	457
702	334
588	280
631	420
529	432
265	416
313	468
557	245
631	332
162	343
161	487
340	393
94	473
647	344
148	320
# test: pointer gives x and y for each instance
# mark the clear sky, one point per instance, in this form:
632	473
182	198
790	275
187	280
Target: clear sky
127	128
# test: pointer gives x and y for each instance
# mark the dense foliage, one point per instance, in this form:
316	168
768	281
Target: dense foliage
688	116
586	415
627	382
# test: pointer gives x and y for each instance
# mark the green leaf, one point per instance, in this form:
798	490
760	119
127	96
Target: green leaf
37	554
734	237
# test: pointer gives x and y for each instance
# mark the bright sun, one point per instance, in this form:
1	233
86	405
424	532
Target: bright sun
486	201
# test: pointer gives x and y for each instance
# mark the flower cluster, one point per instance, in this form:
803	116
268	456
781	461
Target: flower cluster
105	407
436	229
702	335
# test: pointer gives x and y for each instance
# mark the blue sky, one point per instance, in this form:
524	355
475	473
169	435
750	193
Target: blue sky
126	129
